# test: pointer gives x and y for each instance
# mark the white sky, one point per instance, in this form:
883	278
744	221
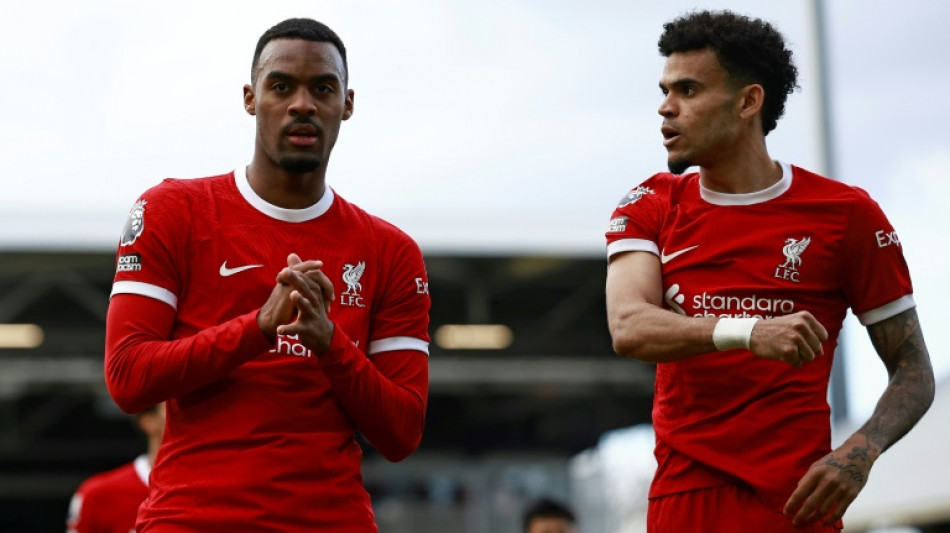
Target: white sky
483	127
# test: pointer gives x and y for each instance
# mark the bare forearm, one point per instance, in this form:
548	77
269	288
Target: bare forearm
652	334
643	329
910	390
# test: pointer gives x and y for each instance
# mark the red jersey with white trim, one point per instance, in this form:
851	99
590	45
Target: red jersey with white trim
107	502
806	243
269	441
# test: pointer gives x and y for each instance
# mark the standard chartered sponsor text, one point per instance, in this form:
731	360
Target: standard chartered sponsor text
751	306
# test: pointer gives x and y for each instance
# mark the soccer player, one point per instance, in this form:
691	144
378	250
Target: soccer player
735	281
107	502
276	318
548	516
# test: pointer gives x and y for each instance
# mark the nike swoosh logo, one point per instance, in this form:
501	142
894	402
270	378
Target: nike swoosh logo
225	271
664	259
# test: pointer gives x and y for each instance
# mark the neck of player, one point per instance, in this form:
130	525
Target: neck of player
745	168
280	187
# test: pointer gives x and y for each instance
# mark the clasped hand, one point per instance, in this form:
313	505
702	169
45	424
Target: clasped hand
298	305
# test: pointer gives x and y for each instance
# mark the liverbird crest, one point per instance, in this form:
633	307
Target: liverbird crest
352	275
793	250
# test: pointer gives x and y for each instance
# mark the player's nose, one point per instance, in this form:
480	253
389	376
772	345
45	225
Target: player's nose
302	103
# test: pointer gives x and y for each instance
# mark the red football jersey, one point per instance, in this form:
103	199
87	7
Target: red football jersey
260	434
107	502
806	243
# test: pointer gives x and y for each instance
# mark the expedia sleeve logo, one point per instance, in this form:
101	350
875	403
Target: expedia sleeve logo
129	263
134	225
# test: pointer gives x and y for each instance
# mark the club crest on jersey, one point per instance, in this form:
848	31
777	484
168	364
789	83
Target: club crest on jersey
134	225
631	197
351	297
793	251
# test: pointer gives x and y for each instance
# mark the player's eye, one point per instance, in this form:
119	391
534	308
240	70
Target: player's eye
279	87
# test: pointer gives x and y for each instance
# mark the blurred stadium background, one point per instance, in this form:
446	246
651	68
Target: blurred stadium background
548	410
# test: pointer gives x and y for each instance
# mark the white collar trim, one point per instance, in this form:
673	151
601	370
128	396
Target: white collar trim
143	468
757	197
280	213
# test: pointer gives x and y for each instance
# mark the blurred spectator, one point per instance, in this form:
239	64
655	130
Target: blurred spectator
549	516
107	502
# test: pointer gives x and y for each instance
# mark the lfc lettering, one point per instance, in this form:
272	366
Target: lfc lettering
351	300
784	273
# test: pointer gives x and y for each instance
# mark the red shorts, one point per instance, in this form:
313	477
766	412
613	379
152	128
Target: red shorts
721	509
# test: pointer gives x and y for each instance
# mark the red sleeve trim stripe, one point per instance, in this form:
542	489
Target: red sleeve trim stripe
632	245
887	310
145	289
398	343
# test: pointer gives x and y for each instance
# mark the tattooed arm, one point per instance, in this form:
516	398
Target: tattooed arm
834	481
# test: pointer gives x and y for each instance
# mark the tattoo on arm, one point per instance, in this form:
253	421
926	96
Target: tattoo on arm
851	470
900	344
858	453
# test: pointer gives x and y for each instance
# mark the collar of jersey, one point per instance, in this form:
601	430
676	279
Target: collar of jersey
750	198
280	213
143	467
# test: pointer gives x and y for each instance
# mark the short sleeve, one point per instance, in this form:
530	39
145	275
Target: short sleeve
153	245
636	221
876	280
400	321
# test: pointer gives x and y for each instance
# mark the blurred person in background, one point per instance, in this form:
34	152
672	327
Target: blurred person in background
108	502
548	516
735	281
276	319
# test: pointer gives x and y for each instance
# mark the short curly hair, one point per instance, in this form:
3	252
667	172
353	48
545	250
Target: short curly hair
750	50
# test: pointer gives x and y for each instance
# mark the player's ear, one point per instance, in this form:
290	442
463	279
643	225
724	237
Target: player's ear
348	104
249	102
751	98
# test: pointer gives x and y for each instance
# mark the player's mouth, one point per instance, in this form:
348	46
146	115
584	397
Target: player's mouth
670	134
302	134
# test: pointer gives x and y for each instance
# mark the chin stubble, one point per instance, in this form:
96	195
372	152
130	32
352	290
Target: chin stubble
678	165
299	164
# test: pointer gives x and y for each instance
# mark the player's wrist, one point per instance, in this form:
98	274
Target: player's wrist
270	333
733	333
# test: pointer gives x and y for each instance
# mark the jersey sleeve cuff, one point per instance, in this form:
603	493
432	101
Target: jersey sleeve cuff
253	339
145	289
887	310
398	343
632	245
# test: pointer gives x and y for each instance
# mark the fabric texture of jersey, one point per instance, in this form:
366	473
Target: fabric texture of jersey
721	509
806	243
269	444
108	502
